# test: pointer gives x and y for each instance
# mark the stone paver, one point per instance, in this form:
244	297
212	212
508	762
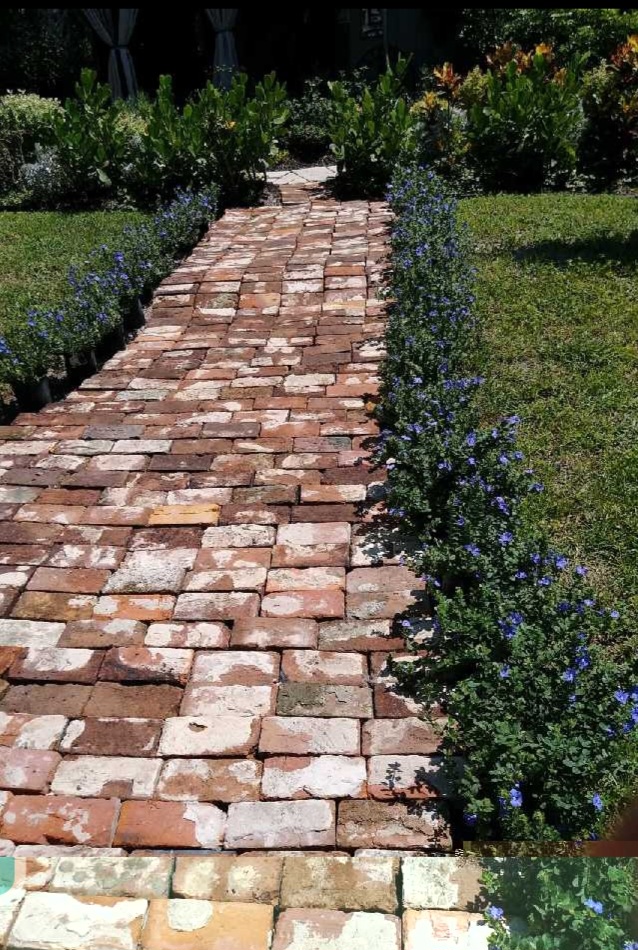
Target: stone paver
196	616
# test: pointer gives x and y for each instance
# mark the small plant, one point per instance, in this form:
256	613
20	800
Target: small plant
26	125
370	134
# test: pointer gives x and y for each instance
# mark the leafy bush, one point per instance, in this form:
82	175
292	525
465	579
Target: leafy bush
592	33
26	121
524	135
561	903
441	135
609	151
369	134
537	680
102	290
308	136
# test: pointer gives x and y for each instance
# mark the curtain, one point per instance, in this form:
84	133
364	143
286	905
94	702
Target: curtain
116	32
225	61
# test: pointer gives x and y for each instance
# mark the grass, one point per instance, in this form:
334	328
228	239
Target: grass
557	294
37	248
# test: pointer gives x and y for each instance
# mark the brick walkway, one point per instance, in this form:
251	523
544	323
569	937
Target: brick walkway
197	604
296	902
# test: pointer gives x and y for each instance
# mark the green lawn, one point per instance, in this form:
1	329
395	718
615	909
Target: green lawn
558	297
36	249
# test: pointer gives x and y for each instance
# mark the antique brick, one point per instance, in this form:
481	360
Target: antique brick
145	607
317	578
98	634
147	664
314	666
238	700
27	633
196	736
265	632
325	776
57	665
187	635
60	819
224	780
330	882
409	776
66	922
95	776
87	875
113	700
304	603
227	668
226	877
146	572
31	732
34	605
448	883
409	736
374	824
27	770
201	925
153	824
112	736
77	580
315	699
358	635
36	699
441	929
303	824
309	736
307	928
239	536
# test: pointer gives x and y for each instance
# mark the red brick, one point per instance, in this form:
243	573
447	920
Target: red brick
170	825
34	605
27	770
114	700
143	664
231	606
304	603
265	632
60	820
57	665
136	737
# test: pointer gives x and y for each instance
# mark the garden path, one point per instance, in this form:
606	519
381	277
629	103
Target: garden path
197	598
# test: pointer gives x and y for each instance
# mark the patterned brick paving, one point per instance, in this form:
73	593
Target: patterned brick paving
292	902
197	598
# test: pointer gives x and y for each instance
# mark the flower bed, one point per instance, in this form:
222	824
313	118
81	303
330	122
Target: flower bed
104	293
537	680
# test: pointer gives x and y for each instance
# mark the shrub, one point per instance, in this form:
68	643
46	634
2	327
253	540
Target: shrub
308	136
609	150
26	122
102	290
441	138
561	904
524	134
537	680
370	134
583	32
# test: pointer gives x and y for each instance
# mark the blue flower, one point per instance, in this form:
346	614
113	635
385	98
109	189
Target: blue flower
597	802
504	672
516	796
505	538
569	676
496	913
621	696
473	549
581	571
596	906
470	819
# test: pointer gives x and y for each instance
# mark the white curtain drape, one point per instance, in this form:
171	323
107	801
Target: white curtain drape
225	62
116	31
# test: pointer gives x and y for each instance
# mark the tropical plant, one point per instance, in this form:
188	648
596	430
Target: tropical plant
369	134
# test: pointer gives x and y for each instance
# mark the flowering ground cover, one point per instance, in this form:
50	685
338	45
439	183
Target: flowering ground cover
557	297
537	677
37	248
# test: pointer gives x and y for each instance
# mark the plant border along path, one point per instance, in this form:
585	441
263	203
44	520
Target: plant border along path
199	594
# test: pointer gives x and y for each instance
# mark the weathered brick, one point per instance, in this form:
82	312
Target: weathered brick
265	632
314	699
317	578
31	732
96	634
111	736
66	922
314	666
228	700
343	883
306	735
146	572
225	780
146	665
304	603
95	776
27	770
370	824
186	635
37	700
57	665
183	924
227	668
358	635
410	736
146	877
448	883
145	607
440	929
259	825
60	819
325	776
209	735
305	929
113	700
226	877
153	824
230	606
